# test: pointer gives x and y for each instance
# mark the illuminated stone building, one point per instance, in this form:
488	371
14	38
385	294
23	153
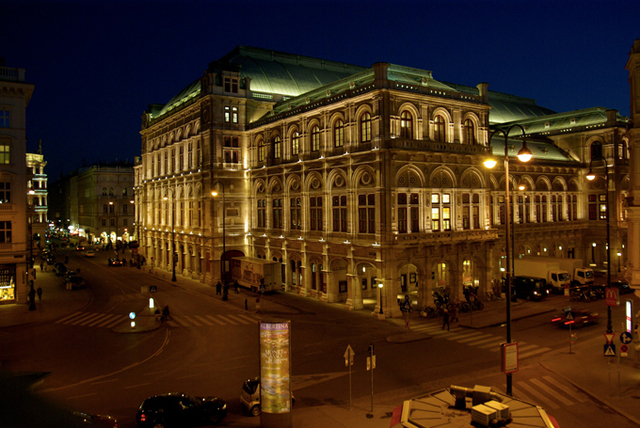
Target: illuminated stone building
15	94
352	178
37	200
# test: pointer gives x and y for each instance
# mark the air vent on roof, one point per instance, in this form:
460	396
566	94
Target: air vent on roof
547	124
573	120
352	84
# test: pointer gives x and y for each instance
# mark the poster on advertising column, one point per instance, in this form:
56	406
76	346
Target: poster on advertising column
275	374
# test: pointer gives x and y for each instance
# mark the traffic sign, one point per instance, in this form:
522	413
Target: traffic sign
623	350
626	338
612	296
609	350
569	316
348	356
153	288
609	337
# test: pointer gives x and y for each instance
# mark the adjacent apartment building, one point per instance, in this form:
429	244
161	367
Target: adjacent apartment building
15	244
368	182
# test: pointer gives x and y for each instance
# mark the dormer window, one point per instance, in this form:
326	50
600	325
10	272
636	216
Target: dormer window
231	85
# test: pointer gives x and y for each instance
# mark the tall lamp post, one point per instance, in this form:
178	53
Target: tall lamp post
174	256
223	275
591	176
524	155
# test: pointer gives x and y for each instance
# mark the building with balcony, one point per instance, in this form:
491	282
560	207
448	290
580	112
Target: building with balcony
368	183
15	94
37	200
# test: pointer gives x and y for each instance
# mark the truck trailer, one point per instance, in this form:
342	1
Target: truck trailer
578	273
558	280
258	275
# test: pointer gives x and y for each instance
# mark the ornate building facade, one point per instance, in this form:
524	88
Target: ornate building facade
368	183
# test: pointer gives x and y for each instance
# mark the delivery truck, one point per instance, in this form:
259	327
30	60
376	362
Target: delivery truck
558	280
258	275
579	275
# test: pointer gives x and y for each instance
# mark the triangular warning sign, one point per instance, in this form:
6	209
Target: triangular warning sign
569	316
609	352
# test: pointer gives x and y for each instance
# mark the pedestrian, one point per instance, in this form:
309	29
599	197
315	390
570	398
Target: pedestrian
39	291
41	266
445	318
235	287
453	310
406	309
166	315
218	288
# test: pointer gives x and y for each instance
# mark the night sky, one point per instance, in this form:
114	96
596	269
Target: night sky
97	65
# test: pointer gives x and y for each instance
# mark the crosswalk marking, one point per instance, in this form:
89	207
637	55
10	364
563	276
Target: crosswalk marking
534	352
98	320
471	339
551	392
192	321
110	319
203	319
228	320
581	398
538	395
484	341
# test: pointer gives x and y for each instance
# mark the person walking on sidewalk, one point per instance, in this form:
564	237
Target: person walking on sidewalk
39	292
218	288
445	318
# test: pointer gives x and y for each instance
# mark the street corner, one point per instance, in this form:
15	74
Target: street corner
140	324
410	336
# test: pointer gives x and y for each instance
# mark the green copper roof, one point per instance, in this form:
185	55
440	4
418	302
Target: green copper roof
286	74
542	151
563	122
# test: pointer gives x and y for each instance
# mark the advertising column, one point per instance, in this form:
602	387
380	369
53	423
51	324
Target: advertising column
275	374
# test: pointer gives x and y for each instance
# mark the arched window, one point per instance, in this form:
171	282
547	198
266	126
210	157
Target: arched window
338	133
261	151
406	125
469	132
439	130
596	150
365	128
295	143
277	147
315	138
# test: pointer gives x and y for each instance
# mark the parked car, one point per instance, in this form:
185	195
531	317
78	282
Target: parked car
60	268
74	280
180	410
98	421
623	286
115	262
90	253
578	318
250	396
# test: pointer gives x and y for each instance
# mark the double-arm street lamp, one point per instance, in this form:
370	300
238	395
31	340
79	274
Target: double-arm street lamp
524	155
174	256
591	176
223	275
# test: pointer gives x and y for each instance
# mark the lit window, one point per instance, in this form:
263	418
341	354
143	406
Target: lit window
295	143
261	151
315	138
338	133
365	128
277	147
406	125
5	154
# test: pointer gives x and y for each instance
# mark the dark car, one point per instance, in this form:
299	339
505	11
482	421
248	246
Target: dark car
530	288
623	286
60	268
80	248
73	280
50	259
115	262
180	410
578	318
98	421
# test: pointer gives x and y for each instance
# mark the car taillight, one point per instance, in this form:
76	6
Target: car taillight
556	319
569	322
143	417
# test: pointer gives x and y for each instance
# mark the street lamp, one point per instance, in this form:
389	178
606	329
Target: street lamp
524	155
224	233
380	285
619	254
591	176
174	256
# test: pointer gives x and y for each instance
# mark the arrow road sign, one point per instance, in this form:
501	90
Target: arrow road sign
626	337
348	356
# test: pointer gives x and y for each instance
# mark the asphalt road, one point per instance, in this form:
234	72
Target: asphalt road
211	347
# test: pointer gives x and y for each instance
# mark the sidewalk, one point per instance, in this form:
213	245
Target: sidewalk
599	381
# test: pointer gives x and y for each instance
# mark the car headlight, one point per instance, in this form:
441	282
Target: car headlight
224	406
